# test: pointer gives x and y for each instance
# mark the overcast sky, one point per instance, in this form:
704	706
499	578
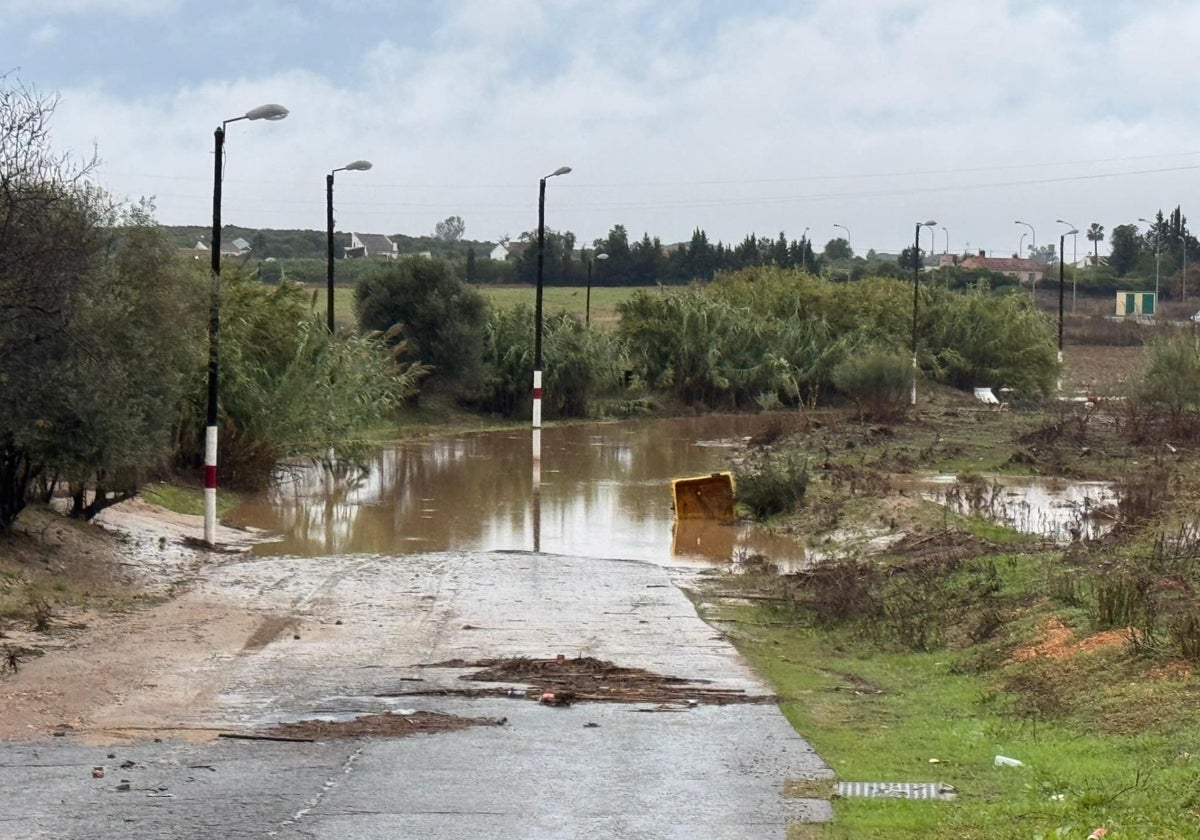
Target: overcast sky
735	117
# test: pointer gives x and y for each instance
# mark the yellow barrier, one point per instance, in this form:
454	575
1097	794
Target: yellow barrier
704	497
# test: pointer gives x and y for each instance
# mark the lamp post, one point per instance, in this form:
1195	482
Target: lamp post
1074	256
262	112
353	166
916	285
587	321
1183	282
1061	242
537	309
1032	235
804	250
947	249
1033	249
843	227
1021	246
1157	254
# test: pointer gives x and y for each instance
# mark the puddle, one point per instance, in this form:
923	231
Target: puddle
1053	508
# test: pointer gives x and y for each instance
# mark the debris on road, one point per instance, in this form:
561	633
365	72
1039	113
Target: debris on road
584	679
381	725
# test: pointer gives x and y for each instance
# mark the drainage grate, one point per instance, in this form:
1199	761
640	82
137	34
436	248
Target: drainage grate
896	790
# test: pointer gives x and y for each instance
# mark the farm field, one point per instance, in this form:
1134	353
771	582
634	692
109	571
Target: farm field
554	299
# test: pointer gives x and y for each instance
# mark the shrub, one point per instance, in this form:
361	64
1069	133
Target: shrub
769	483
288	389
878	381
441	319
578	364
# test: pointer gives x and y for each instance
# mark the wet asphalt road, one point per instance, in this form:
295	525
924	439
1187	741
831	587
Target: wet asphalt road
366	626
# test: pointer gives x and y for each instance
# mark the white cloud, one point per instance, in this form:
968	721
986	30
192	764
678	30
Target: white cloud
674	118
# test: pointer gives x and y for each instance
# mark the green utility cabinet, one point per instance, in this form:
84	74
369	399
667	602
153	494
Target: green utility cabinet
1136	303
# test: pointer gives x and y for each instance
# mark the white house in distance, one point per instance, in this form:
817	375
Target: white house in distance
371	245
507	249
237	248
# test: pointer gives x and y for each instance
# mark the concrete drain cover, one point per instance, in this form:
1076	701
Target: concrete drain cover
896	790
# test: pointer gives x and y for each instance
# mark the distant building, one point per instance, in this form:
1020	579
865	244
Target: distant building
506	250
1022	270
371	245
237	248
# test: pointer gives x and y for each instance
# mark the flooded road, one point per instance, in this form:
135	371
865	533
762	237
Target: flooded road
605	491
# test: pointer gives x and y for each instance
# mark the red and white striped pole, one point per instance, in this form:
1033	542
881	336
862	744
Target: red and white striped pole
214	329
262	112
537	329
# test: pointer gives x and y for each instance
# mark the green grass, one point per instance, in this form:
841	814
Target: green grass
554	299
1122	751
187	500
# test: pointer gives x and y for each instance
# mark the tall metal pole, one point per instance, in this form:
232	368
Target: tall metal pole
263	112
1183	287
587	318
1061	263
537	309
214	328
916	283
329	250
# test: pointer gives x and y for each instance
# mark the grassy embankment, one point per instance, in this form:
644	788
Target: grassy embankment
976	642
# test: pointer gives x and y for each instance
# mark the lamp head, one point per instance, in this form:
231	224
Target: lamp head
562	170
1071	232
601	257
357	166
930	223
267	112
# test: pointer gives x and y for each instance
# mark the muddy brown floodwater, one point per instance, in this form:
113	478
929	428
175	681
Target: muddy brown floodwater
605	491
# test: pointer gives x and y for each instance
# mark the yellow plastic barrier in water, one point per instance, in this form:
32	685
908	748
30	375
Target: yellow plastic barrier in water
704	497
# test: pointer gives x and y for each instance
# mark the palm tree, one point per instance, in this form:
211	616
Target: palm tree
1095	235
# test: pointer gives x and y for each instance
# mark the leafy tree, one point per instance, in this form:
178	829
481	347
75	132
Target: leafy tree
472	271
450	229
1124	244
1095	235
289	390
838	249
441	319
911	258
618	268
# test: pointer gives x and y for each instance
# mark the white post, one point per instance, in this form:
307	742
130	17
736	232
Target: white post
210	485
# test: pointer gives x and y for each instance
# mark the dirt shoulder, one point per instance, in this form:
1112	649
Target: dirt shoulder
97	623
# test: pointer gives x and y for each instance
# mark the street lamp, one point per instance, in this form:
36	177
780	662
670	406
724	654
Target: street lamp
916	284
1157	243
947	251
1032	235
1021	246
1061	242
588	317
1183	287
537	309
804	250
843	227
1074	257
262	112
353	166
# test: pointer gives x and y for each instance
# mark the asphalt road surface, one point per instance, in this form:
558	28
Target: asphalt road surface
335	638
